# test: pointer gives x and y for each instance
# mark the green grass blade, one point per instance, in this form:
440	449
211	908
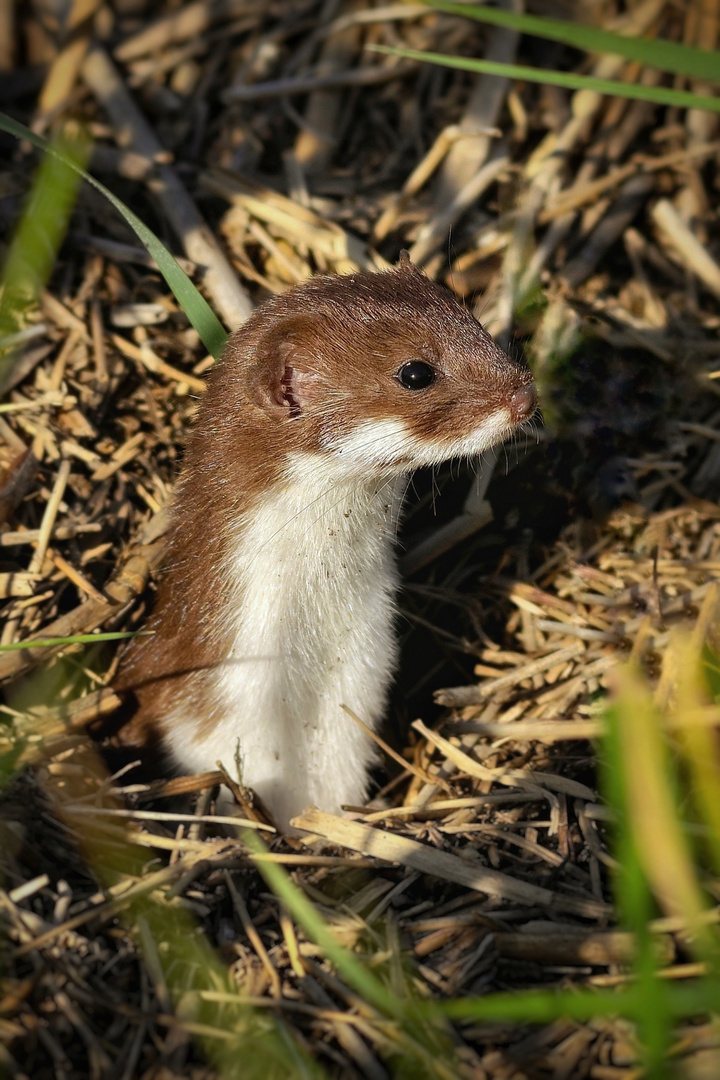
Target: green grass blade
191	301
73	639
36	242
699	747
354	973
418	1042
658	95
239	1042
685	1000
664	55
653	1014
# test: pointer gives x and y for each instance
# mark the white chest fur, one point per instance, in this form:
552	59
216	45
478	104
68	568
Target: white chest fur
308	601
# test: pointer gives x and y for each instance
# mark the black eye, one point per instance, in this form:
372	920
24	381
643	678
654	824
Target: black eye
416	375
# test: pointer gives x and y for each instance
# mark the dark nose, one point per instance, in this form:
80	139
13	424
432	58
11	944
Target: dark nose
523	402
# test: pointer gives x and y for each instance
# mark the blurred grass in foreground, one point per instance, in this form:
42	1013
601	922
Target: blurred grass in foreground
661	769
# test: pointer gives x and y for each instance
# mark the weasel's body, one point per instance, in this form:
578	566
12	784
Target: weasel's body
276	605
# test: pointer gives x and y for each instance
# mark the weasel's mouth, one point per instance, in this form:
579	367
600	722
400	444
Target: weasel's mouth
390	446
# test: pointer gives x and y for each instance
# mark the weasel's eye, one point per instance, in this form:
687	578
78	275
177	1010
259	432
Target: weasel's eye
416	375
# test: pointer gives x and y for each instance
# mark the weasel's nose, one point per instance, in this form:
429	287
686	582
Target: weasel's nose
523	402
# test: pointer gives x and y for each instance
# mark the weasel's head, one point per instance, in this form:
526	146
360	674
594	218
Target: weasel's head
387	372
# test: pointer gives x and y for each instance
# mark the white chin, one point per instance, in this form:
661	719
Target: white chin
391	444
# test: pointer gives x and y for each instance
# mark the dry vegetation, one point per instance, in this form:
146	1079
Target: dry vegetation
584	231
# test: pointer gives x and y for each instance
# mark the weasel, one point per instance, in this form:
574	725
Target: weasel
277	601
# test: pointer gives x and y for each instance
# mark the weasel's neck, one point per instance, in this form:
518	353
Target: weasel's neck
312	533
296	547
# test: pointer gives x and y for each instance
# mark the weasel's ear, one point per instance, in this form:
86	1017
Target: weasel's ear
282	376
